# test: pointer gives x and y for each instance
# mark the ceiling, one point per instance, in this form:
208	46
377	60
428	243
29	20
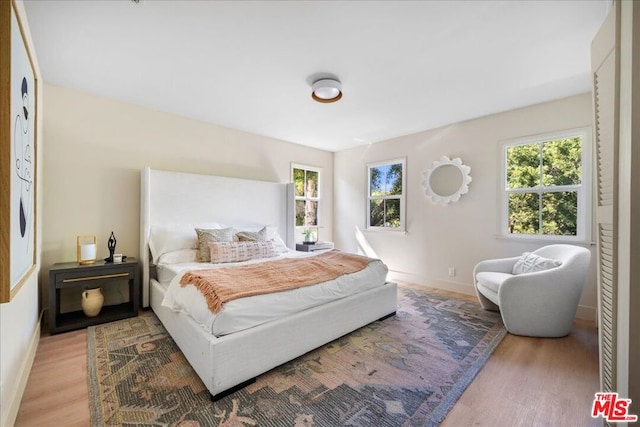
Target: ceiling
405	66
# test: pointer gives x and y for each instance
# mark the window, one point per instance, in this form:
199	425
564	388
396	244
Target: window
306	180
546	186
386	195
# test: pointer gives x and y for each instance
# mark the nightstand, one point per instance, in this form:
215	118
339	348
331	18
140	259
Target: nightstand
68	276
318	246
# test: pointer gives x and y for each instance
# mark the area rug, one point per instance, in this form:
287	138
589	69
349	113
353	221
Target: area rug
408	369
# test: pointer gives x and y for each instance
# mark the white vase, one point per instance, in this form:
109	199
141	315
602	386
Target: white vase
92	300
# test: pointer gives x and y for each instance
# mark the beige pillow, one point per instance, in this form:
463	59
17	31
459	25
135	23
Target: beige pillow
240	251
253	236
211	235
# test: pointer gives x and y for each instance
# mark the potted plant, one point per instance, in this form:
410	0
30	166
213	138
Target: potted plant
309	237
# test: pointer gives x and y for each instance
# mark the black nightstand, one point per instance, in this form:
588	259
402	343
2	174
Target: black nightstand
68	275
318	246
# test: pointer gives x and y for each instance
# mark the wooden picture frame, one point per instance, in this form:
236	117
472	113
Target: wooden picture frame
18	145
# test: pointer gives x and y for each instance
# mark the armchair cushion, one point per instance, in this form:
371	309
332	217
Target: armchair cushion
530	262
492	280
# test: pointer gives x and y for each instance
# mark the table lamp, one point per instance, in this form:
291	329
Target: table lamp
86	249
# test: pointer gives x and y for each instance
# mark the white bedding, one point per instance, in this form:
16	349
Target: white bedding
245	313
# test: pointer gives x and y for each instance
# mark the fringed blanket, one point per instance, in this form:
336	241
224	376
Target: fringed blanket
220	285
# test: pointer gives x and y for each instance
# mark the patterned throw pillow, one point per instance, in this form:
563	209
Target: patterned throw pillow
240	251
529	262
211	235
253	236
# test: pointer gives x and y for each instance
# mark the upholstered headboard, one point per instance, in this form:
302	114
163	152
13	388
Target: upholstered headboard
184	198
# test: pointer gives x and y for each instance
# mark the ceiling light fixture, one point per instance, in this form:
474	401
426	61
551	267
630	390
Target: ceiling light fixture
326	90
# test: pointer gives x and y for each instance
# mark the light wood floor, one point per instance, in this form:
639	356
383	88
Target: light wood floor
526	382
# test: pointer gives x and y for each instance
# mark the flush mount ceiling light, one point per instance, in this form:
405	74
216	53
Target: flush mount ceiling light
326	90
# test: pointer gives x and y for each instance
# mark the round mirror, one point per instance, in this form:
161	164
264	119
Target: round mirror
446	180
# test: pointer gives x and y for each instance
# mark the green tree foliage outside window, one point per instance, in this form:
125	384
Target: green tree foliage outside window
385	193
542	183
306	183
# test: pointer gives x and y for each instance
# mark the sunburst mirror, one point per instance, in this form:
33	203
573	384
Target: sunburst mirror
446	180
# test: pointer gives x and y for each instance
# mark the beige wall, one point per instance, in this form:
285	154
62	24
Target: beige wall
97	148
19	320
460	234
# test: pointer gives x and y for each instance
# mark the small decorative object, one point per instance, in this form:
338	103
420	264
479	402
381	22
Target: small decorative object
111	244
310	236
86	249
92	300
117	258
446	180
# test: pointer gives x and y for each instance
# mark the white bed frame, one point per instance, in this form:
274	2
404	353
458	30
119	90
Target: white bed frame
227	363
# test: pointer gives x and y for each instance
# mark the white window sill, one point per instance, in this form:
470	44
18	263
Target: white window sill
386	230
546	240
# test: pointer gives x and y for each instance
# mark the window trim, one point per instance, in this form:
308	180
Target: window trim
402	197
584	190
316	199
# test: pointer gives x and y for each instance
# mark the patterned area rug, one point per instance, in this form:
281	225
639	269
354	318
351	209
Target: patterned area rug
409	369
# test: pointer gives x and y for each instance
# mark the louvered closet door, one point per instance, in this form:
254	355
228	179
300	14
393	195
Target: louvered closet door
604	65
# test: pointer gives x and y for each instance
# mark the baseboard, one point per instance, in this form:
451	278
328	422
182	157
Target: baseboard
586	313
461	288
583	312
9	417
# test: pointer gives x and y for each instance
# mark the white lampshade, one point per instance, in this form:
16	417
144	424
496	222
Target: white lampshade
86	249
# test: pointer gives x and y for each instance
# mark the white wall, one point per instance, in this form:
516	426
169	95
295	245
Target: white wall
97	147
460	234
19	325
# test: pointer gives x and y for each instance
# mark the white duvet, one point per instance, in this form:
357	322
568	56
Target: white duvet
248	312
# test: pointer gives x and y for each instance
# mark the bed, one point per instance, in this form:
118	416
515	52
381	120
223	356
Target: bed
227	354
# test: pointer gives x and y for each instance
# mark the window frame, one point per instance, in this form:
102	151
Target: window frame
402	197
317	199
583	190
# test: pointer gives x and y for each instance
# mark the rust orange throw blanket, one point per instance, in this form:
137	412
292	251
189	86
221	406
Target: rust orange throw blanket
220	285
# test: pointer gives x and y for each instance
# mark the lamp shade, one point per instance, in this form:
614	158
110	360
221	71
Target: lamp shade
86	249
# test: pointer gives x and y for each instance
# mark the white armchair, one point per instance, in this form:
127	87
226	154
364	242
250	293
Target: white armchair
540	303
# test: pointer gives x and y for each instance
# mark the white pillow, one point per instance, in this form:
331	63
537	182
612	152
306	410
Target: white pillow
530	262
175	257
172	237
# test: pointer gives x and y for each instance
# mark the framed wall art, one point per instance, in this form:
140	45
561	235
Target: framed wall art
18	144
